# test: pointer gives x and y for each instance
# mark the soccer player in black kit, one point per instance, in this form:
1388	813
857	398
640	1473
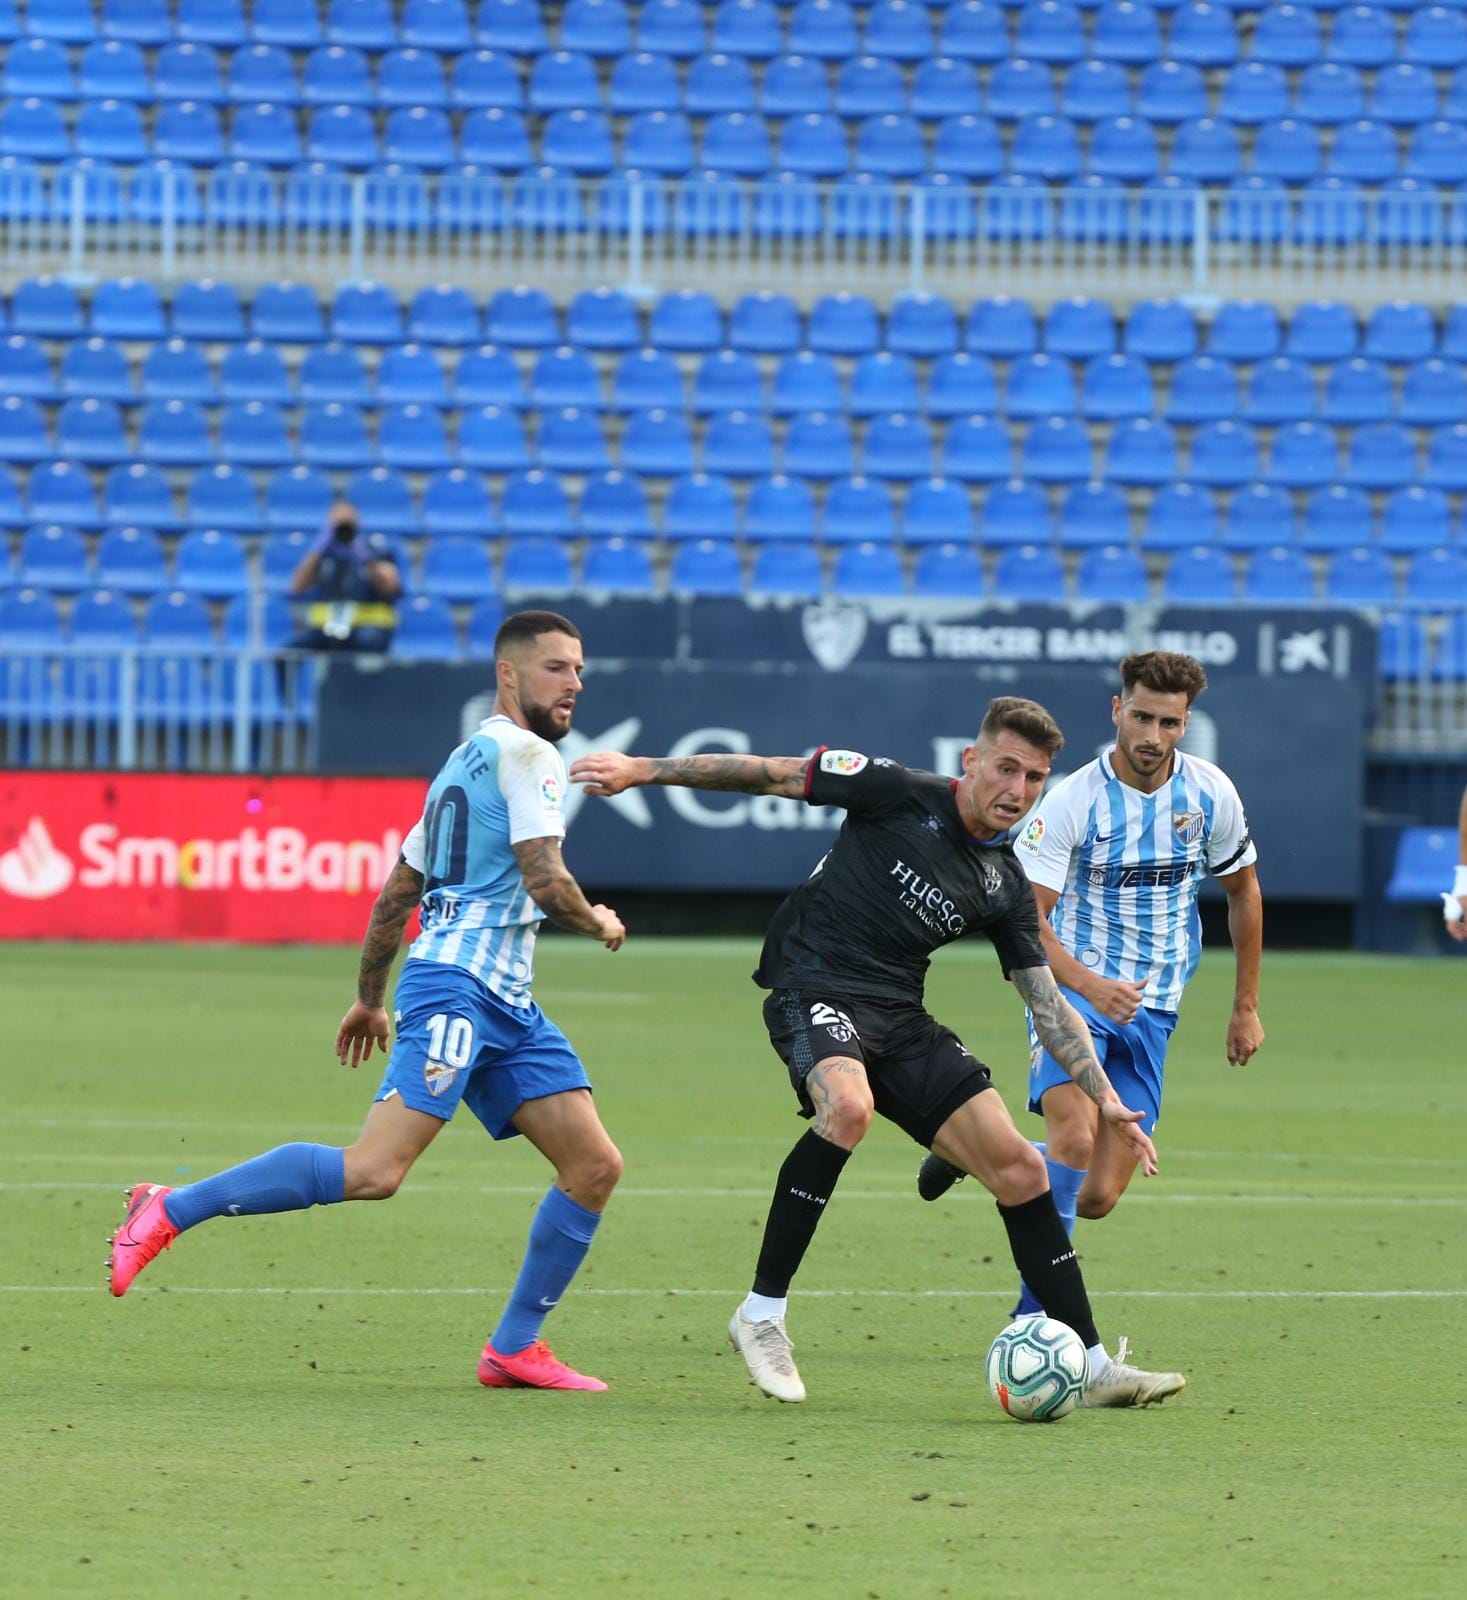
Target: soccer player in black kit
920	861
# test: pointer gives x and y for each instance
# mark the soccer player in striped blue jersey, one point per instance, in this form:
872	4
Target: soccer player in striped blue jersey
1116	854
484	863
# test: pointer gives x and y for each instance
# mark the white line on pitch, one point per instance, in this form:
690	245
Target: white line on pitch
804	1294
845	1194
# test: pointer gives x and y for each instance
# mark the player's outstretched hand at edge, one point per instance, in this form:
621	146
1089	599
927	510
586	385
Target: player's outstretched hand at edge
1456	925
1126	1125
360	1028
612	932
605	772
1115	998
1245	1035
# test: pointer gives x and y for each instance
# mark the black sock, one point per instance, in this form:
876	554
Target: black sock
805	1183
1046	1262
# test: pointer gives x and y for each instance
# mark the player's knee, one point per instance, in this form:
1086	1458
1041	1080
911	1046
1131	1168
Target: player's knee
593	1175
1094	1206
1072	1146
1019	1174
372	1178
845	1121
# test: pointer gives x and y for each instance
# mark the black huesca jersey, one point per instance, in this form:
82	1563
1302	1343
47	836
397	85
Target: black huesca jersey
903	878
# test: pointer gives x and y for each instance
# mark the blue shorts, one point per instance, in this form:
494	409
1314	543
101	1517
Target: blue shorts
454	1041
1132	1053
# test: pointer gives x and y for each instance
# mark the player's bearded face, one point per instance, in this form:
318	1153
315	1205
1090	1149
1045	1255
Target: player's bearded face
1149	726
548	682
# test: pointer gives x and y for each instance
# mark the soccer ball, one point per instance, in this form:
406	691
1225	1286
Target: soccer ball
1037	1369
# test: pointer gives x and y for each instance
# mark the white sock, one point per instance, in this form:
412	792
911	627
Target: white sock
761	1307
1095	1360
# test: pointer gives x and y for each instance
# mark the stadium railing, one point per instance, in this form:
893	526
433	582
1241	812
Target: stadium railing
409	230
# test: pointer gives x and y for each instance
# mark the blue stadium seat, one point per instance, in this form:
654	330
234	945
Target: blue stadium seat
112	69
1435	37
456	569
23	432
1111	573
1357	390
1057	450
91	431
618	566
1253	92
443	315
535	502
495	138
1002	327
898	446
1287	36
297	497
54	558
571	440
738	445
766	323
254	435
1245	330
34	127
598	27
1014	513
127	308
1116	386
1278	575
1141	451
1021	88
1403	95
1204	389
137	494
61	491
1029	572
822	30
1286	150
426	630
818	445
1051	31
335	435
435	25
1280	390
409	79
646	380
751	28
224	496
486	80
614	505
686	319
794	86
962	384
1363	36
1381	455
1437	577
1305	455
805	381
868	569
727	380
514	26
671	27
856	509
1205	151
968	146
1126	33
883	382
948	570
976	450
778	508
699	506
1260	515
736	142
1434	391
1097	92
25	368
280	22
1364	151
212	22
456	501
1045	147
564	80
706	566
658	442
1203	35
130	561
1336	517
1171	92
1201	573
38	67
814	144
177	369
110	130
211	562
1360	576
943	86
973	30
1416	517
207	309
602	319
1040	385
29	617
334	371
1330	92
1093	515
47	307
1322	330
1160	330
787	568
1080	327
867	86
522	318
410	374
1446	458
413	437
174	433
716	84
264	74
565	377
898	30
937	511
364	24
844	324
1437	153
649	82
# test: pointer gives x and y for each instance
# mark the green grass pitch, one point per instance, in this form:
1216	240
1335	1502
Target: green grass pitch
286	1406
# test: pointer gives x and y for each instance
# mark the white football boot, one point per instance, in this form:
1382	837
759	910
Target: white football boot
768	1354
1119	1384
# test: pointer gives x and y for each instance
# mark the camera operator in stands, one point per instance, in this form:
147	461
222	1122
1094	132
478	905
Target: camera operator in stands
350	581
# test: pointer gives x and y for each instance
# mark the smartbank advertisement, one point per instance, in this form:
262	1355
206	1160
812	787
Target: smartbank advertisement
130	856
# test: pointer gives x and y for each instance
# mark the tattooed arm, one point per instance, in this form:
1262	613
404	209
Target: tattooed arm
365	1024
549	883
607	772
1062	1031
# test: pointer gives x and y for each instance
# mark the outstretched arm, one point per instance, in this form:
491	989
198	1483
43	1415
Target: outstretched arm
606	772
1245	927
549	883
1062	1031
365	1023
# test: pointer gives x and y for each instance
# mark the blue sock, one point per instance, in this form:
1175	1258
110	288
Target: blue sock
560	1236
286	1179
1064	1183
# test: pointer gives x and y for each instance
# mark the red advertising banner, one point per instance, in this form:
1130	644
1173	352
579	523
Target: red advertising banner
144	856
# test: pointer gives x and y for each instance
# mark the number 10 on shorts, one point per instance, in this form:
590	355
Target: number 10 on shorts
450	1045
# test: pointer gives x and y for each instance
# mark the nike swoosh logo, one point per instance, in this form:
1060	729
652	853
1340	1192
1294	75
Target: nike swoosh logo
1103	838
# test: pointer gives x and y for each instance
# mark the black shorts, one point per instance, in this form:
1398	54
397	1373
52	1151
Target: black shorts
918	1070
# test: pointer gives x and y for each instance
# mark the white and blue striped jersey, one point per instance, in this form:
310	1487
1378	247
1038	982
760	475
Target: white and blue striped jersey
1127	867
499	788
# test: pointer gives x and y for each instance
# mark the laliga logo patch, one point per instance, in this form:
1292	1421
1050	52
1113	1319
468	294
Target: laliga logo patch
847	763
1187	825
550	792
1033	835
438	1077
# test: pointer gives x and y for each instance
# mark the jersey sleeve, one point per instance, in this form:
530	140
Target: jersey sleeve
1015	936
855	782
414	849
1230	846
532	781
1047	841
